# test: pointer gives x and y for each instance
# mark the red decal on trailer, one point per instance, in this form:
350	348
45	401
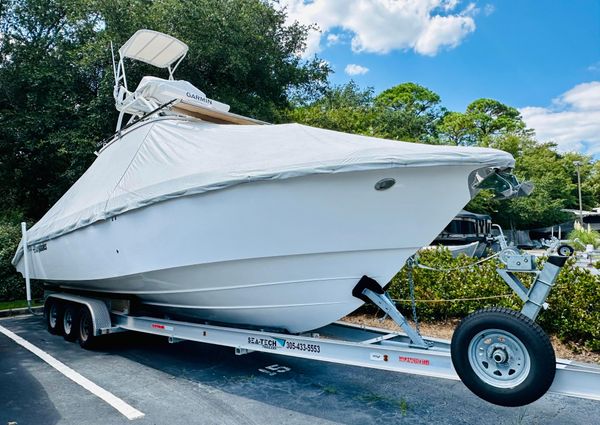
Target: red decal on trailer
414	360
157	326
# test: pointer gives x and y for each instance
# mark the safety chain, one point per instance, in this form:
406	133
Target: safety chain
413	262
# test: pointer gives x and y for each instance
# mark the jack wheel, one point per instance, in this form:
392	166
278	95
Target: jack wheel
53	311
70	322
503	356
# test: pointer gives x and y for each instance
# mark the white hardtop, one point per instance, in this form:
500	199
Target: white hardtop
155	48
164	96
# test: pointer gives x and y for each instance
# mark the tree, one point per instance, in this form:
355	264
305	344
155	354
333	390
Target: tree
491	117
458	129
346	108
408	112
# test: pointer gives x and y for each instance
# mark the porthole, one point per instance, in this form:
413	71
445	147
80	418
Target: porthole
385	184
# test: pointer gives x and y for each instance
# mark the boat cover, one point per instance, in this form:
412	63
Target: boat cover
166	158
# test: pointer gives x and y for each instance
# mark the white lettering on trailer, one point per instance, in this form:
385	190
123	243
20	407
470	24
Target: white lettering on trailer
274	369
125	409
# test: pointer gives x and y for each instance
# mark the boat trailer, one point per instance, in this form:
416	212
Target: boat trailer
501	355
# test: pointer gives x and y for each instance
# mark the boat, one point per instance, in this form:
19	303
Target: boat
198	212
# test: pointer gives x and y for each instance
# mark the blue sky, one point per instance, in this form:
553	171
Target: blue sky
542	57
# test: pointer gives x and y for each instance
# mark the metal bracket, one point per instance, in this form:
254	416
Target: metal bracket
383	302
535	296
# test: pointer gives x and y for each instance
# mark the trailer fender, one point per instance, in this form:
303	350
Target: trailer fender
98	310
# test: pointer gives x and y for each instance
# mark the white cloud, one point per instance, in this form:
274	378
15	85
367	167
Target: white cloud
333	39
380	26
573	120
594	67
353	69
488	9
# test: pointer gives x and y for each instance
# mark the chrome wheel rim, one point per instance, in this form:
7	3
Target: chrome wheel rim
499	358
53	316
84	328
68	322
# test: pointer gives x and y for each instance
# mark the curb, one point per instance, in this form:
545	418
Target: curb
19	311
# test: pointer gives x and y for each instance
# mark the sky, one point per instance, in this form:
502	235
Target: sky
542	57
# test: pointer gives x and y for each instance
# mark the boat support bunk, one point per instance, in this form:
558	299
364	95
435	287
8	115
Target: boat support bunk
512	375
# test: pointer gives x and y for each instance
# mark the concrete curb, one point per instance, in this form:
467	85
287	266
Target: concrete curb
19	311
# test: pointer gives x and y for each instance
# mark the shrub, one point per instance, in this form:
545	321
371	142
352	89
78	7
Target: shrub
587	238
12	286
574	313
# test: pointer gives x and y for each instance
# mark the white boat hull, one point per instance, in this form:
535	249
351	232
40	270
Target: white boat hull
279	254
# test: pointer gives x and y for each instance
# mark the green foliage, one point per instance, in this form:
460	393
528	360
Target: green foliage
345	108
12	285
574	313
407	112
482	281
587	238
490	117
457	129
408	97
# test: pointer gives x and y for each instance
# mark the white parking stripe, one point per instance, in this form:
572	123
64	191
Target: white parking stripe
128	411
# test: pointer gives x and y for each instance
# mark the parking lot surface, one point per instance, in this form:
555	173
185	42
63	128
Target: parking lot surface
193	383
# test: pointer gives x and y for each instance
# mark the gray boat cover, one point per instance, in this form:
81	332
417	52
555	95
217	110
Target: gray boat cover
166	158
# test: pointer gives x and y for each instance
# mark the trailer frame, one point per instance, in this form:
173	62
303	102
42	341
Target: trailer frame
339	342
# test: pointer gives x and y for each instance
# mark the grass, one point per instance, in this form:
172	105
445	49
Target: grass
330	390
10	305
401	404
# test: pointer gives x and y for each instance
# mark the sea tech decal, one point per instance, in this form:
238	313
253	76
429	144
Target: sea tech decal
269	343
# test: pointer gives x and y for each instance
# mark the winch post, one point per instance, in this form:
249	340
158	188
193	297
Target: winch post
540	289
535	297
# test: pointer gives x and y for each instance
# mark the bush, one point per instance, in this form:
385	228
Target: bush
12	285
587	238
574	313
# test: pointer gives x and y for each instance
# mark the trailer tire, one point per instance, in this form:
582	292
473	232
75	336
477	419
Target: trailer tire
70	322
565	250
503	356
53	310
85	328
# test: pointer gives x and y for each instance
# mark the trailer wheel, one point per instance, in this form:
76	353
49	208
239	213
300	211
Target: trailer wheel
565	251
86	336
54	311
70	322
503	356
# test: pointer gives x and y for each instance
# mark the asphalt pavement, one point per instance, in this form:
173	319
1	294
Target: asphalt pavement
193	383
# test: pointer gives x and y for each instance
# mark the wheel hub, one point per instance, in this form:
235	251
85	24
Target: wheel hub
500	355
499	358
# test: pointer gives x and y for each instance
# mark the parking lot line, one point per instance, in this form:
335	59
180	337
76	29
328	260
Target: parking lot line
125	409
